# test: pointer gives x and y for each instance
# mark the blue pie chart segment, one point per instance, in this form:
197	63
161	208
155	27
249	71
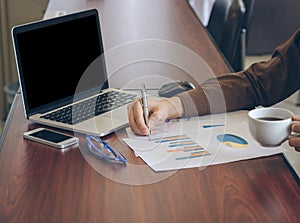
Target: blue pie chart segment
232	141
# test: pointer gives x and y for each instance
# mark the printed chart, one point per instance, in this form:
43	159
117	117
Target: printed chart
184	146
232	141
199	142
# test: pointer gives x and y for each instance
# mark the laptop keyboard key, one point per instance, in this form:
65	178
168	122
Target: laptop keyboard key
89	108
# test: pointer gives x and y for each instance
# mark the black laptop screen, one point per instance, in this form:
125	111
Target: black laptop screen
53	54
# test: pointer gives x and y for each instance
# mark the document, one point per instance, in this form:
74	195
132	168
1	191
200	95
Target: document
199	142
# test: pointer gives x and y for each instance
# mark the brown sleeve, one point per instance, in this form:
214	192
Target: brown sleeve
263	83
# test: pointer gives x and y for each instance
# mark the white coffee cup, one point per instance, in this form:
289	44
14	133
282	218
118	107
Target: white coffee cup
270	126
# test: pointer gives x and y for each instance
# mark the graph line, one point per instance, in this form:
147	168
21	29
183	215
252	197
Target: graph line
194	155
186	149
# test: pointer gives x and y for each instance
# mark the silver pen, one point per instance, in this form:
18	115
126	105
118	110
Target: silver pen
144	103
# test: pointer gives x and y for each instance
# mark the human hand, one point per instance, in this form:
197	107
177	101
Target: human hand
159	112
295	141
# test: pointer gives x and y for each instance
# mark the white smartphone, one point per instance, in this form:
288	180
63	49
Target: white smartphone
51	138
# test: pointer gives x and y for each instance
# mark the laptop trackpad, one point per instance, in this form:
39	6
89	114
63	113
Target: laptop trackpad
105	123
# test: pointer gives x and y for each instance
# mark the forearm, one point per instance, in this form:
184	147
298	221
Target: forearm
263	83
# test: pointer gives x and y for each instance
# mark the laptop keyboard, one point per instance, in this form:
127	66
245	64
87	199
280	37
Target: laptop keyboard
90	108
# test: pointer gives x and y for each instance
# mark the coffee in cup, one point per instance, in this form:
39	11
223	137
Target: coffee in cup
270	126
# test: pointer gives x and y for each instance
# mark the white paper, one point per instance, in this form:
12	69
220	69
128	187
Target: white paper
200	146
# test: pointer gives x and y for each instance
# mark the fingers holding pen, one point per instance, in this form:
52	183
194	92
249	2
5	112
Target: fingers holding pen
136	119
157	116
158	112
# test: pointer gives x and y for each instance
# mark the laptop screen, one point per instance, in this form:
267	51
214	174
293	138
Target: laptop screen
52	56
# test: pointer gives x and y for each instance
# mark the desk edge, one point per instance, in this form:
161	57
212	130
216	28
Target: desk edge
8	120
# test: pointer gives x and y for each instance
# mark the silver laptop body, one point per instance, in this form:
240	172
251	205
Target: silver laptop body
61	66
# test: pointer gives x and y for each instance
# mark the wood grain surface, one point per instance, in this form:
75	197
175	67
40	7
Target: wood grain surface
40	184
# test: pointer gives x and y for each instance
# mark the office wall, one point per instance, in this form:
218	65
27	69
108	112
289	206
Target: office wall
272	22
14	12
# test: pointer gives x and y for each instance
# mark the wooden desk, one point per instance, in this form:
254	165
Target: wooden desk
42	184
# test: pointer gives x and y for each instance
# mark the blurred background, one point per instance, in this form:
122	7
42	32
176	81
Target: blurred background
260	26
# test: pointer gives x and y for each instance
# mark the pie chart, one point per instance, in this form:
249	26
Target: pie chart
232	141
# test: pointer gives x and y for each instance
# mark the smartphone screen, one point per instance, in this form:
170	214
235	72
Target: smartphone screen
50	137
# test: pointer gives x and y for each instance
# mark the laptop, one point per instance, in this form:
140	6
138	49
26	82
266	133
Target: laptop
63	78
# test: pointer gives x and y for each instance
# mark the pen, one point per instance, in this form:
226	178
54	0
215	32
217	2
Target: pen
144	103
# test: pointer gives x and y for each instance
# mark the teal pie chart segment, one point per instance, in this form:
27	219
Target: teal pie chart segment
232	141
